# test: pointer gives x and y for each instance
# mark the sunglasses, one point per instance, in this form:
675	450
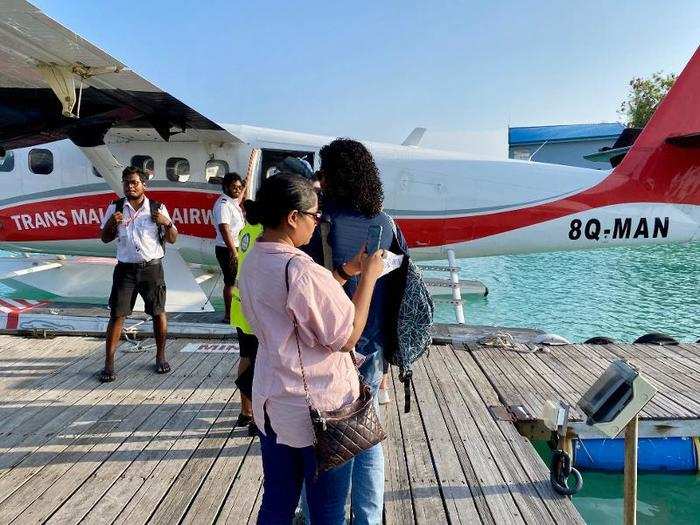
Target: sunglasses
315	215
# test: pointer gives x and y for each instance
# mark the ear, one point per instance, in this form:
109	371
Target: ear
293	218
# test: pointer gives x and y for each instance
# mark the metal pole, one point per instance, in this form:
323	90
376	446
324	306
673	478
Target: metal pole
456	291
631	437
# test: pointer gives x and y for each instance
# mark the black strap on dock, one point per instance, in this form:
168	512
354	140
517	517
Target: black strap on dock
405	376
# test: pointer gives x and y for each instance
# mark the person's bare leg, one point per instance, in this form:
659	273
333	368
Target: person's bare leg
114	332
160	330
228	297
246	402
385	381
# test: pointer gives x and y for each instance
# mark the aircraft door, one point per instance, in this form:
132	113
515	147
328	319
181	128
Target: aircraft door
270	157
253	173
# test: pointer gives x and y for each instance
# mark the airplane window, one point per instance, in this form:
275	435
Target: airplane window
96	173
41	161
145	163
214	171
7	162
177	169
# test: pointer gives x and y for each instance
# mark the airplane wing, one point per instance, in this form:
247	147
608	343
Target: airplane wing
56	85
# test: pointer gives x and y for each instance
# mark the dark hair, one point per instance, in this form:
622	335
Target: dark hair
278	196
130	170
351	177
230	177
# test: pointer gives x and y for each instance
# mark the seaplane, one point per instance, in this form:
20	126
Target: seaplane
72	116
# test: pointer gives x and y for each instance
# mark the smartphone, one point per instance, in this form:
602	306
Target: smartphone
374	238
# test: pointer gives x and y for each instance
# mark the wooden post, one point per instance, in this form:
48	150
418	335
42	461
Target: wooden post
631	435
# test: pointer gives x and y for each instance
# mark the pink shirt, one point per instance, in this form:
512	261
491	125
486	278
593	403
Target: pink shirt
325	316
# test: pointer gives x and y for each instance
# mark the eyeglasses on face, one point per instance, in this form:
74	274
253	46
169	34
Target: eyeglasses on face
131	182
315	215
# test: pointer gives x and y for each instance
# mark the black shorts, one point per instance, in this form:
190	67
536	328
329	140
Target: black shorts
129	280
248	344
229	265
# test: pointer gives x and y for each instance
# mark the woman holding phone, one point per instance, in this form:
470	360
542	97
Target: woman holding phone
353	199
280	283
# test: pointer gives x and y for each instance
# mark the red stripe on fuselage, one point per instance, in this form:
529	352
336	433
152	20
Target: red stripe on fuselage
78	217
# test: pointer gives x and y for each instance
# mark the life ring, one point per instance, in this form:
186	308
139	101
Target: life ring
656	338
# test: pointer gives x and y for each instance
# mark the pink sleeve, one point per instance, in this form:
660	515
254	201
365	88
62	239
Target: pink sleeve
323	311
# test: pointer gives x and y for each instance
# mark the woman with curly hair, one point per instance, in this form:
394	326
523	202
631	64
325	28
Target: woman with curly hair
353	198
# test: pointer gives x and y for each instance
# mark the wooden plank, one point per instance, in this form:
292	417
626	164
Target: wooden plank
80	459
533	492
687	368
33	389
528	502
240	502
425	491
455	488
196	408
190	479
514	387
659	407
665	385
473	429
41	425
35	459
398	505
155	486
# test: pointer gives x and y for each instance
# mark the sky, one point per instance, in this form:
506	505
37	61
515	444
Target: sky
375	70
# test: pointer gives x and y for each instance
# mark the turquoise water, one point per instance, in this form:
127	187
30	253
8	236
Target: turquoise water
621	293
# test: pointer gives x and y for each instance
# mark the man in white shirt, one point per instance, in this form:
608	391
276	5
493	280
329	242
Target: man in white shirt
228	222
141	228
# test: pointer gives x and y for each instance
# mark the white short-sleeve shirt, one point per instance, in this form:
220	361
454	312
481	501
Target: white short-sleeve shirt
137	235
227	211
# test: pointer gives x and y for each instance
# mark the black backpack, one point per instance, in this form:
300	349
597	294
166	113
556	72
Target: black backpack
413	318
155	208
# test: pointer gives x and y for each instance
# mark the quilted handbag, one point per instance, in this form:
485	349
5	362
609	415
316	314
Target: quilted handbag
340	435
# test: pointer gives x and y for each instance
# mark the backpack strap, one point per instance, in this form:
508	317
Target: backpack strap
119	205
325	229
155	208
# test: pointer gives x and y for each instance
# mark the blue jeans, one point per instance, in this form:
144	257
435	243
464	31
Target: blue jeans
285	468
368	467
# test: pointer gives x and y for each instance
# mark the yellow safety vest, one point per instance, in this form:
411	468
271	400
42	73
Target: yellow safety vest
246	239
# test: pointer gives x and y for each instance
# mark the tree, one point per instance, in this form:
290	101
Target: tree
644	96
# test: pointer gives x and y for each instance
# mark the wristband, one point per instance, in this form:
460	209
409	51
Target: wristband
343	274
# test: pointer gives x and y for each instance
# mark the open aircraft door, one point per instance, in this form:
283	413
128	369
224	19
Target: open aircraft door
253	178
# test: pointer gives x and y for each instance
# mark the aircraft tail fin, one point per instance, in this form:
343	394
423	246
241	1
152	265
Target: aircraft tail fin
663	165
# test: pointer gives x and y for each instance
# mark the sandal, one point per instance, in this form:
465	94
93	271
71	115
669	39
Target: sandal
106	376
162	367
243	420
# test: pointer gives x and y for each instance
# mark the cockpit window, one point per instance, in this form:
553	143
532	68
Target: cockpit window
7	163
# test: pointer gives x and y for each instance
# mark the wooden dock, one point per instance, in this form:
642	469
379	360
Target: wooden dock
528	375
161	448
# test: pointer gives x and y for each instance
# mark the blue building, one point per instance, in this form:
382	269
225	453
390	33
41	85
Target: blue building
565	144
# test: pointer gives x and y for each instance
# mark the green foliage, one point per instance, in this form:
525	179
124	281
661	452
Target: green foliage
644	96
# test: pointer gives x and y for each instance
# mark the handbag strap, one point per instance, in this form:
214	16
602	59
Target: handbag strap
296	337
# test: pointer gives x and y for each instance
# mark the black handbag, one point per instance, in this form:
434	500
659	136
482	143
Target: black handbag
341	434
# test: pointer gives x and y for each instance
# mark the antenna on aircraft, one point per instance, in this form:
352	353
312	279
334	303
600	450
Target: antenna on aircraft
414	137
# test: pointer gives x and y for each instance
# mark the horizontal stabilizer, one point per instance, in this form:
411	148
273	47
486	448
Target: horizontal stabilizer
691	140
